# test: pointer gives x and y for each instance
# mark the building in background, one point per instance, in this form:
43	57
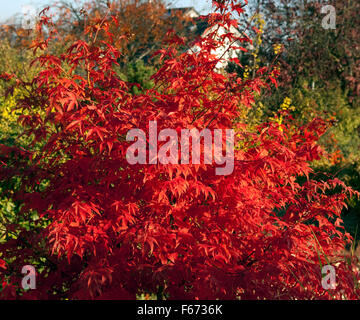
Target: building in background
198	28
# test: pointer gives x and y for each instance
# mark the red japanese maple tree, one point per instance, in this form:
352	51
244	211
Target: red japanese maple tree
110	230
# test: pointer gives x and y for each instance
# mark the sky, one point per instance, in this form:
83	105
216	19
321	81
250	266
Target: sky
13	7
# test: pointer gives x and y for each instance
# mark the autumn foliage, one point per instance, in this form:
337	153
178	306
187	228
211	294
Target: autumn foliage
106	229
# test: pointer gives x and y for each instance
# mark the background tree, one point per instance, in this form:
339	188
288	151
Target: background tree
141	27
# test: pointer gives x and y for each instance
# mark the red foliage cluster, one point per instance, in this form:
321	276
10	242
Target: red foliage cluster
116	230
